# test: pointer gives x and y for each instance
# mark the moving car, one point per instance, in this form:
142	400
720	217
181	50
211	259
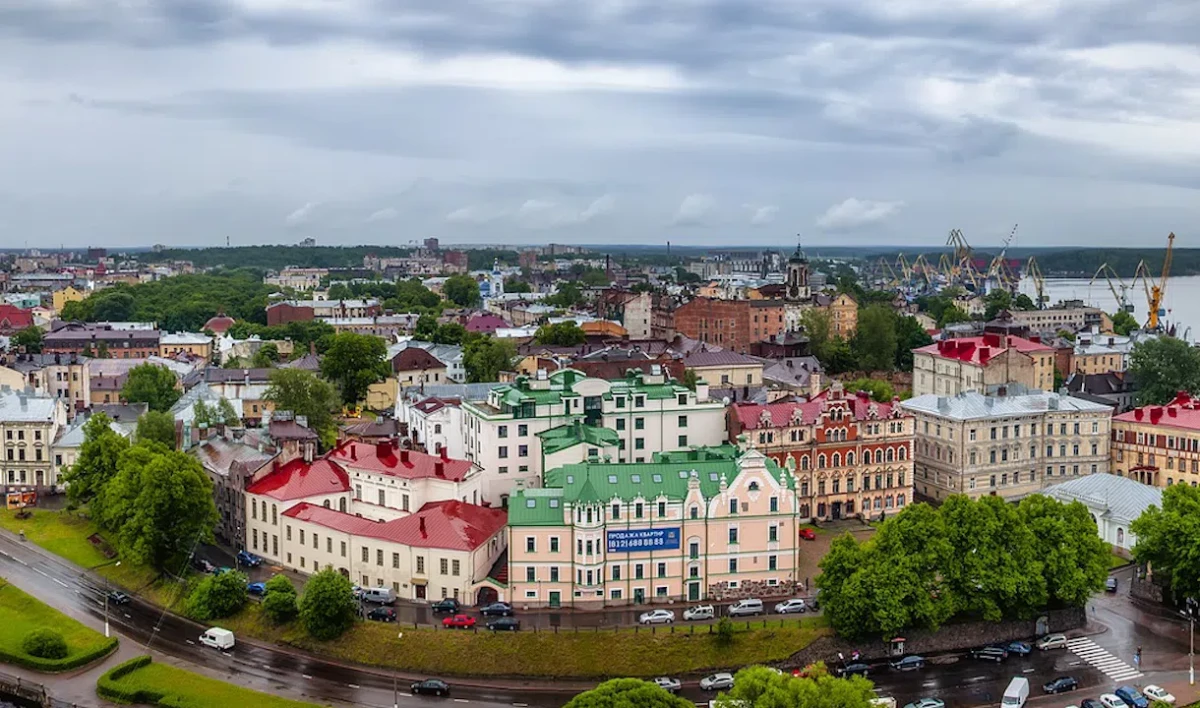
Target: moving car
795	605
995	654
499	609
808	534
247	558
1052	641
1016	694
909	663
1060	684
1108	700
1132	697
669	684
717	682
382	614
117	597
1019	648
203	566
927	703
447	605
1157	693
459	622
700	612
657	617
430	687
504	624
217	638
855	669
1110	585
256	588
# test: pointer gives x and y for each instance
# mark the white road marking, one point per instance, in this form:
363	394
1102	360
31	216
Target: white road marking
353	685
1075	663
1102	659
41	572
526	705
190	641
127	615
461	700
929	684
1028	671
406	695
60	582
306	676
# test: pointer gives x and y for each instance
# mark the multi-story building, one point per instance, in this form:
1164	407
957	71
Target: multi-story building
298	278
1159	445
1008	446
1116	388
705	524
384	517
172	344
245	388
231	461
1073	318
647	413
14	319
850	456
952	366
29	425
843	315
101	339
434	423
730	324
724	369
283	312
60	298
61	376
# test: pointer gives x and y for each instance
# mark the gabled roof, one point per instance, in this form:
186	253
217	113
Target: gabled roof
388	459
433	404
1124	499
414	359
718	358
452	525
299	479
290	430
219	454
381	427
567	436
1182	412
751	415
979	350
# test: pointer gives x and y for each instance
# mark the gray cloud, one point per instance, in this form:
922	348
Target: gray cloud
853	213
694	210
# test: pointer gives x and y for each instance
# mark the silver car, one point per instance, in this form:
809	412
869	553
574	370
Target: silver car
789	606
717	682
1052	641
657	617
700	612
671	685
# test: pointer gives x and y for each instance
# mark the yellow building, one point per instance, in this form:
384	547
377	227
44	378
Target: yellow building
67	294
843	316
199	345
725	368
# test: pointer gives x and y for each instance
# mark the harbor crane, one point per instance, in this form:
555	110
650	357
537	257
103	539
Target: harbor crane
1039	283
1154	322
1118	287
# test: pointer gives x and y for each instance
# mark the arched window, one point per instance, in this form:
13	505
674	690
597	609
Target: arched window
1120	536
821	461
904	453
342	504
837	460
804	462
326	503
849	458
890	454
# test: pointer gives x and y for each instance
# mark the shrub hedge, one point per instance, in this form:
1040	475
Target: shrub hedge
107	686
52	666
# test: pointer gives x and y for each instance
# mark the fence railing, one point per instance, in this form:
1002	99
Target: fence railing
30	692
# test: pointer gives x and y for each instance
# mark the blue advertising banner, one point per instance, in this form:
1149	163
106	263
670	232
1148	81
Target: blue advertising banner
634	540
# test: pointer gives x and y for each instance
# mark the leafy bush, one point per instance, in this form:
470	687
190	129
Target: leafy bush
45	644
279	602
217	596
328	608
725	632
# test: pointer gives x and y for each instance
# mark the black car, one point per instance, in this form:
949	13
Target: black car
1110	585
382	614
909	663
1060	684
995	654
118	598
202	565
1090	703
504	624
431	687
854	669
449	605
499	609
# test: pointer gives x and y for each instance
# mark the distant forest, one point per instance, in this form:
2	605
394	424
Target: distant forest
277	257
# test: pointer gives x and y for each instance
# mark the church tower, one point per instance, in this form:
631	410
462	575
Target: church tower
797	276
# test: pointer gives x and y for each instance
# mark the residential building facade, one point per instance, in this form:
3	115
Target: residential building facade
28	427
1159	445
952	366
730	324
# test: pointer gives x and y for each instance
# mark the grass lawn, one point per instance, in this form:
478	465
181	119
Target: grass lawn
185	689
1116	561
21	613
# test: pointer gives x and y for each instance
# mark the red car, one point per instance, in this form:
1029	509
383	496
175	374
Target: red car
459	622
808	534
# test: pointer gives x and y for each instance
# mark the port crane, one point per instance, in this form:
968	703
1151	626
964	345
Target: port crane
1158	290
1039	283
998	271
1118	287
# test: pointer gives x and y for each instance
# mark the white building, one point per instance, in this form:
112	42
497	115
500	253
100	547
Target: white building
646	413
449	354
1113	501
434	423
28	427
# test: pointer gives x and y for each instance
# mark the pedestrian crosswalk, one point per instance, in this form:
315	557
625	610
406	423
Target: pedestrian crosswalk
1102	659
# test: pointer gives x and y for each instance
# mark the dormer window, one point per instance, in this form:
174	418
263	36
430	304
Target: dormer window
753	486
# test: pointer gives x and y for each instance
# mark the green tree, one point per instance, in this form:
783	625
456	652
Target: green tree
462	290
227	415
355	361
760	687
102	350
910	335
29	340
561	334
279	600
426	328
1168	539
594	277
996	301
952	315
514	285
304	394
628	693
449	333
881	391
818	327
266	356
1123	323
875	338
217	596
566	295
327	608
690	378
485	357
158	427
113	306
1023	302
45	644
152	384
1163	367
1074	557
839	357
97	462
159	505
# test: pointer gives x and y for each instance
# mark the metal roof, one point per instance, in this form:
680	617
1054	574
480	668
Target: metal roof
24	408
974	405
1120	498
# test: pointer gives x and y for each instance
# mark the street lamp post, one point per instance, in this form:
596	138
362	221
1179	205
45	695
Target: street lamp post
1191	608
395	691
106	592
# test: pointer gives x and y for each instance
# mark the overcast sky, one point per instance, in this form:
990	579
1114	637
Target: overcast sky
133	122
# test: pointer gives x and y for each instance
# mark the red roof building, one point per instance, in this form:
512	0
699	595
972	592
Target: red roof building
1159	445
14	319
953	366
390	460
301	480
486	322
451	525
220	324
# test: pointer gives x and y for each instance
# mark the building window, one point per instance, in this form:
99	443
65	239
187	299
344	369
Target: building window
662	570
620	424
366	555
772	562
772	533
455	567
530	544
502	431
523	451
554	544
616	511
733	565
662	510
639	443
733	535
379	557
395	560
530	575
503	452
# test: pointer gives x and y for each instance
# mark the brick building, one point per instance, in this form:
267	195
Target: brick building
1159	445
77	338
730	324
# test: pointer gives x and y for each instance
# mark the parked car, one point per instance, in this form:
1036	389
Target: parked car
430	687
669	684
909	663
717	682
743	608
499	609
1090	703
1060	684
1132	697
202	565
1052	641
248	559
853	669
1108	700
504	624
381	595
222	570
256	588
927	703
356	591
449	605
1157	693
808	534
1019	648
382	614
795	605
117	597
657	617
459	622
814	602
699	612
1110	585
995	654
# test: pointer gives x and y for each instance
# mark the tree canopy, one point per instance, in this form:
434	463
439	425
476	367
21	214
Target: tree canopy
217	596
328	607
760	687
181	303
29	339
485	357
1163	367
566	295
97	461
910	335
462	290
561	334
628	693
152	384
304	394
355	361
1168	539
875	339
1123	323
155	426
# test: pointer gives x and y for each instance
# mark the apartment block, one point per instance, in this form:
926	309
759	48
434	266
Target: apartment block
953	366
1159	445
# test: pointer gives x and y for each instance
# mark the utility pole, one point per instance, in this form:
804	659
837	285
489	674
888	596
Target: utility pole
1191	610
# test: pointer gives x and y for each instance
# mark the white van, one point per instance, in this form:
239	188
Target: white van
217	638
750	606
884	702
383	596
1016	694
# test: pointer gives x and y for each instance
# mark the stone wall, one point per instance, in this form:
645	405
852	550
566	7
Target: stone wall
754	588
954	637
1147	591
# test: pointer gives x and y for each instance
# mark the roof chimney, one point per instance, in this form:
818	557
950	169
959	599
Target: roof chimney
422	522
439	468
353	451
404	456
985	353
445	453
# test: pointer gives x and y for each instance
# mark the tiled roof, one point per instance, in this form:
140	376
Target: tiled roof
381	427
750	415
13	317
485	322
721	358
567	436
220	324
299	479
215	375
974	405
434	404
386	458
1124	499
218	454
452	525
979	350
1182	412
291	430
414	359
